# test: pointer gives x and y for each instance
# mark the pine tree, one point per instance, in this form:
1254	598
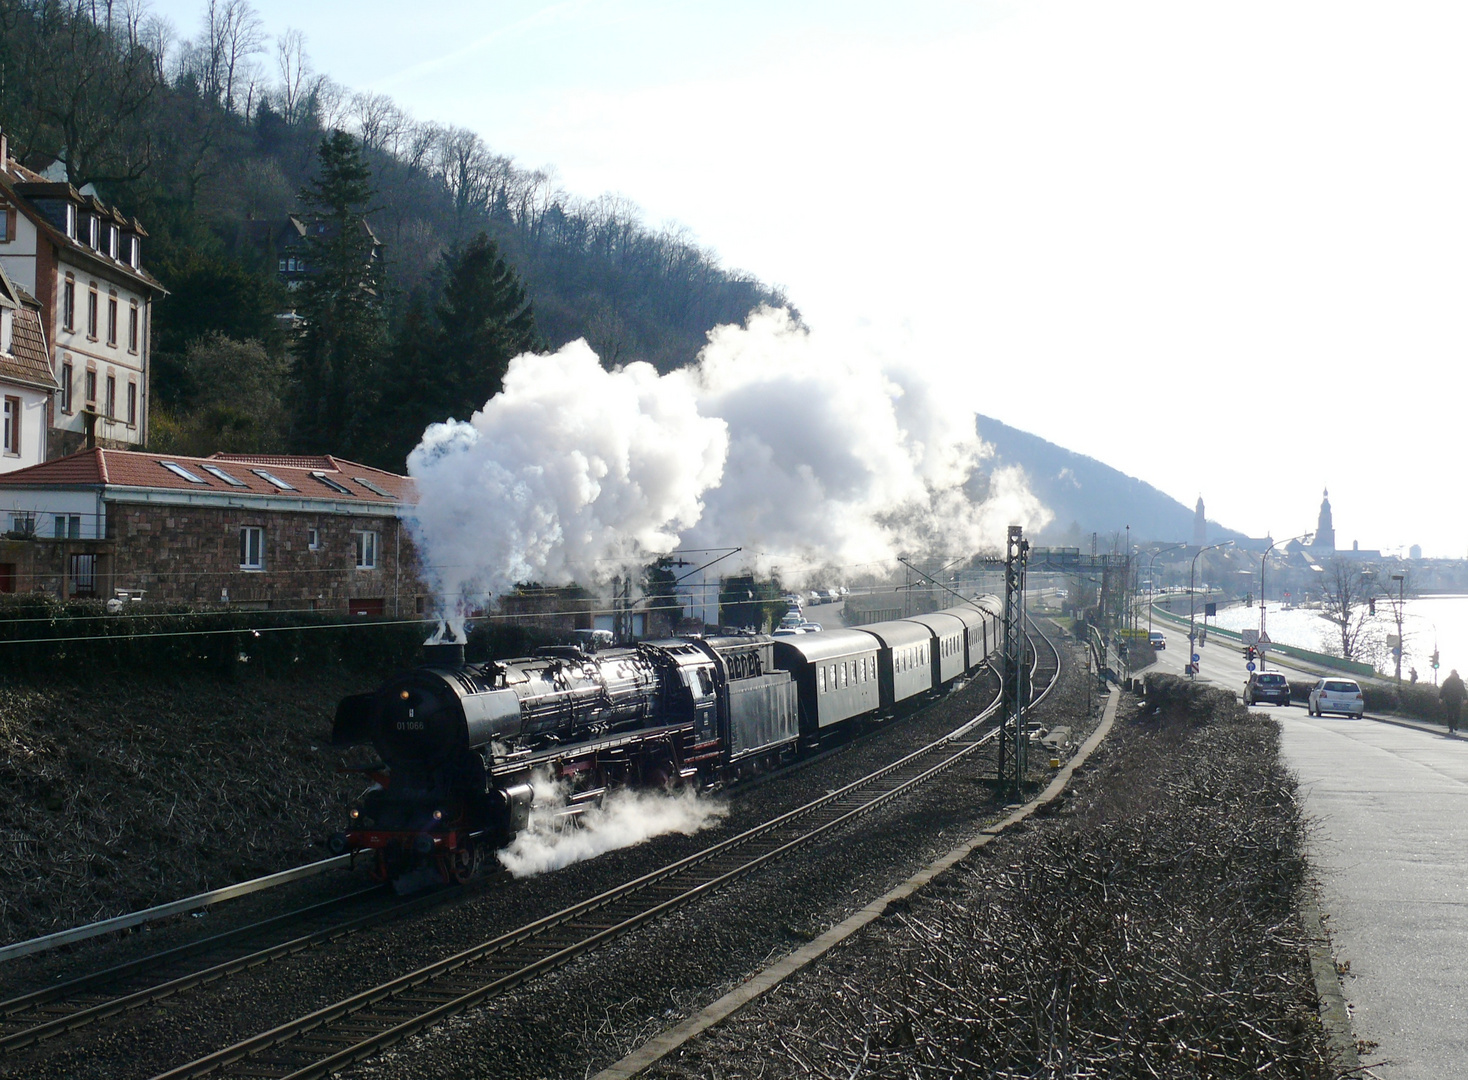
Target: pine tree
449	361
339	357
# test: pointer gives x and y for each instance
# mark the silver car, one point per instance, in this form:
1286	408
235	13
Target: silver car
1338	696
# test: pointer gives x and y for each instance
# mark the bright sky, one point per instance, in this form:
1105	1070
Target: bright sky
1217	246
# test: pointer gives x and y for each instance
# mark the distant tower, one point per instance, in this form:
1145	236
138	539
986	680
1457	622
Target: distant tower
1200	525
1324	530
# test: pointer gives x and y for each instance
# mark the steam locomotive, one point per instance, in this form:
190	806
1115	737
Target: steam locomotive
459	742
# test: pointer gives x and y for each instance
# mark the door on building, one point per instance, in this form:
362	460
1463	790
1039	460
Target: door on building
7	577
365	607
84	575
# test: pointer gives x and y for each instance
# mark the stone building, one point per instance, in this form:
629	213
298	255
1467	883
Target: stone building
1324	527
240	530
82	261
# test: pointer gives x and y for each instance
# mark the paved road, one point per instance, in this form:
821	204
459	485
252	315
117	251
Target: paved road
1390	846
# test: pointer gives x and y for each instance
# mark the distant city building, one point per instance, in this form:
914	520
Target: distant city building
1325	528
1200	525
1415	551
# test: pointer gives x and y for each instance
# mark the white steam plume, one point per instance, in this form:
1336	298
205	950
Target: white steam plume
626	817
775	441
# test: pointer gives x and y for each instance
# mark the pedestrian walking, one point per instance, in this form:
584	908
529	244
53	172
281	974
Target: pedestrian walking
1451	694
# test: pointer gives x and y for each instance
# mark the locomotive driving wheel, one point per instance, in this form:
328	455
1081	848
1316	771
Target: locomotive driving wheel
464	863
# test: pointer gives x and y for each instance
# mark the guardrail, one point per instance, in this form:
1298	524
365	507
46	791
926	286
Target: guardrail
1320	659
162	911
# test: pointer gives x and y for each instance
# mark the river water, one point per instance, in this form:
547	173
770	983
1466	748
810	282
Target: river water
1428	621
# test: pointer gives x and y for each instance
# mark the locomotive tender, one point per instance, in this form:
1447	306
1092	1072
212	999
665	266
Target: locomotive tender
459	742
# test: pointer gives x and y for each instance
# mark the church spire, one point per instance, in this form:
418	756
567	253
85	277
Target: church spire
1325	528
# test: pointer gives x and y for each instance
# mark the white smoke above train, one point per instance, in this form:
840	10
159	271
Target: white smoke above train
775	441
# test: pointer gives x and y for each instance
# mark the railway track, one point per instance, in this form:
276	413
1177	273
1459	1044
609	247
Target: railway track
329	1039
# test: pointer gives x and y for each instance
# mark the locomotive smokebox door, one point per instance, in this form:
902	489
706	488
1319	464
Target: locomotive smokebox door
354	719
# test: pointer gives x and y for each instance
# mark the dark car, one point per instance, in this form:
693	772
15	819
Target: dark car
1267	686
1156	640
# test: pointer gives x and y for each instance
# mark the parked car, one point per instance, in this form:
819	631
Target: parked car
1156	640
1266	686
1338	696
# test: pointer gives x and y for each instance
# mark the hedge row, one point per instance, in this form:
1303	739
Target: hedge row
43	637
1416	700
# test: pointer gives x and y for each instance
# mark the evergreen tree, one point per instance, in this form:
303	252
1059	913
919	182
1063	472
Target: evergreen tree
339	356
448	361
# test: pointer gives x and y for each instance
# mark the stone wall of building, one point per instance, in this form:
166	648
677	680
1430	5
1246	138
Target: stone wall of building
193	554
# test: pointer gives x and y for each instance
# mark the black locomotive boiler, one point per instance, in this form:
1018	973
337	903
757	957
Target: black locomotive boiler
459	742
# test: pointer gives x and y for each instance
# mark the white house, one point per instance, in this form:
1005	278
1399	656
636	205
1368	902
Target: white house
26	383
82	260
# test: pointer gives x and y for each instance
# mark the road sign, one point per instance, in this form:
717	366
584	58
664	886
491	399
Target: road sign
1249	637
1249	666
1263	638
1196	658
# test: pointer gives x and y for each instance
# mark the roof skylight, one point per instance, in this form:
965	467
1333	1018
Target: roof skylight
178	470
265	474
370	486
329	482
215	470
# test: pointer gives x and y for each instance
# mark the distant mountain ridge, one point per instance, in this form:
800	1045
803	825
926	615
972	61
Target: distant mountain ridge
1087	496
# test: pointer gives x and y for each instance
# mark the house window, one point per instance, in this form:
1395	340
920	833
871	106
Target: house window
84	575
68	303
91	387
93	228
112	237
135	251
313	539
112	397
92	312
23	524
5	227
132	404
71	220
282	264
132	327
66	387
112	319
252	548
12	428
68	526
366	550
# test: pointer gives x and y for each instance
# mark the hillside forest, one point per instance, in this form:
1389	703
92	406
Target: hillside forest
214	138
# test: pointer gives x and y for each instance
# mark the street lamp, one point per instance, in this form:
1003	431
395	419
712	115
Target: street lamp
1264	559
1401	579
1192	606
1151	561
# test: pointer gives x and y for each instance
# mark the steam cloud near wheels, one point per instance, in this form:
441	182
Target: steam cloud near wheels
774	441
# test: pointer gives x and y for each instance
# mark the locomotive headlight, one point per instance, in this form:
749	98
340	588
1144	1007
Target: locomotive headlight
403	694
438	815
355	814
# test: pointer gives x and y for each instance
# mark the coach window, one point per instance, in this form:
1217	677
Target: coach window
366	551
252	548
821	679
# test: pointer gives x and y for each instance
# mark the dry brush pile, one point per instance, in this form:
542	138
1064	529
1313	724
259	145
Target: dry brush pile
130	792
1147	927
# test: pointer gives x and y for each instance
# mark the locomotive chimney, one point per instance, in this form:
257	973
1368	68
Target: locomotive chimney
443	649
444	654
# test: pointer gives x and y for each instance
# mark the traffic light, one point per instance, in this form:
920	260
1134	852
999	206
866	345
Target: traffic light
1371	605
1434	659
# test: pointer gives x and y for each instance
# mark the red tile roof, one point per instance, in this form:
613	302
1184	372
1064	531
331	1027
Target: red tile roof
27	361
134	469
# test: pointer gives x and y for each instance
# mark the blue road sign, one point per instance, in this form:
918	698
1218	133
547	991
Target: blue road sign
1249	666
1196	658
